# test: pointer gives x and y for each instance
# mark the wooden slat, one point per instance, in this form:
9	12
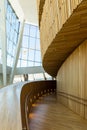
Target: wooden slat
59	40
40	4
72	83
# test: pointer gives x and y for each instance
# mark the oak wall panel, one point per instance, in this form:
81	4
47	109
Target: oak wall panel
62	29
72	82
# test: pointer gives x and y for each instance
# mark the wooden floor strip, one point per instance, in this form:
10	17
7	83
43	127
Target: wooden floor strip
48	114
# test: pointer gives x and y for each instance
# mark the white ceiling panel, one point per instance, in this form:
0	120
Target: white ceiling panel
29	8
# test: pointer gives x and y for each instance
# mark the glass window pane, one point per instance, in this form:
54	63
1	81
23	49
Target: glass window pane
13	52
0	56
17	25
32	31
37	44
31	55
37	56
32	43
39	76
11	61
7	28
38	33
31	77
8	60
26	29
7	44
10	49
25	41
23	63
30	63
13	19
24	53
18	78
11	32
37	64
9	12
15	37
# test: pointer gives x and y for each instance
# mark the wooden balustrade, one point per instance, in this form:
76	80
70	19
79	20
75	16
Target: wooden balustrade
16	101
29	94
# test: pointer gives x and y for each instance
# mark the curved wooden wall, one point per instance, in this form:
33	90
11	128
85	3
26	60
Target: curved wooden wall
72	82
62	30
29	94
40	4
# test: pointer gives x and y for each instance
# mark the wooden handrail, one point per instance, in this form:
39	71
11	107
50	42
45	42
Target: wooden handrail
29	94
20	96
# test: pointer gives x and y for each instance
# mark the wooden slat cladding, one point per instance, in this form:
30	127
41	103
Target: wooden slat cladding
55	14
72	82
40	4
61	33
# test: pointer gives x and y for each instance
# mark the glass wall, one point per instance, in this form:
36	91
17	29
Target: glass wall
12	32
18	78
30	51
30	54
0	54
32	77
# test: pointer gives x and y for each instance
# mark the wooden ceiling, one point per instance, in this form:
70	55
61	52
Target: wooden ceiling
72	34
